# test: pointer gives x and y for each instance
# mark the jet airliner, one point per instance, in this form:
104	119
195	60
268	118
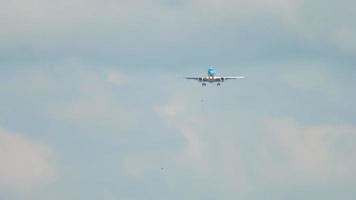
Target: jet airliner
211	78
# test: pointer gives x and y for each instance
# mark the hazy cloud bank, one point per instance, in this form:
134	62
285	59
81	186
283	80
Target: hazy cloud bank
24	162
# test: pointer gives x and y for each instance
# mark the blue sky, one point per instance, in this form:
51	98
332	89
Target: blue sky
93	104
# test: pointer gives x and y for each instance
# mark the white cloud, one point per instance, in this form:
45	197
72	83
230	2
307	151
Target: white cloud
205	152
175	107
328	23
137	166
116	78
297	153
288	153
24	163
95	24
308	76
91	99
345	39
134	167
233	8
97	109
123	23
176	113
45	20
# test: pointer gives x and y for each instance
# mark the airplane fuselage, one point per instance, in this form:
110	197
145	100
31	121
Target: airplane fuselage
211	78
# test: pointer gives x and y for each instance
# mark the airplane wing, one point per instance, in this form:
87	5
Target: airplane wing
193	78
233	77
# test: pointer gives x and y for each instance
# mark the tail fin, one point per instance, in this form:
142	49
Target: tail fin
211	71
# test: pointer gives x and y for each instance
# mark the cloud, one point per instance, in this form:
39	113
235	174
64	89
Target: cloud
145	29
176	113
117	78
175	107
344	39
87	97
64	22
24	163
139	166
279	152
134	167
293	152
329	24
207	150
308	76
281	8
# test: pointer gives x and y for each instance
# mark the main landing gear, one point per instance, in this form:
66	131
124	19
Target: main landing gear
204	84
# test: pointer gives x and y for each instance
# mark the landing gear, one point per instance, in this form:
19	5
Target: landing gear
203	84
218	84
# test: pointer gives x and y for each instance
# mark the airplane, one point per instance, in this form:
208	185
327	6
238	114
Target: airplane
211	78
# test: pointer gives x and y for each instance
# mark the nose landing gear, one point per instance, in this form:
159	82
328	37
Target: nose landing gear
218	84
203	84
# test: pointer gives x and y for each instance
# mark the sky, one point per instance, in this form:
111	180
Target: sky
93	103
